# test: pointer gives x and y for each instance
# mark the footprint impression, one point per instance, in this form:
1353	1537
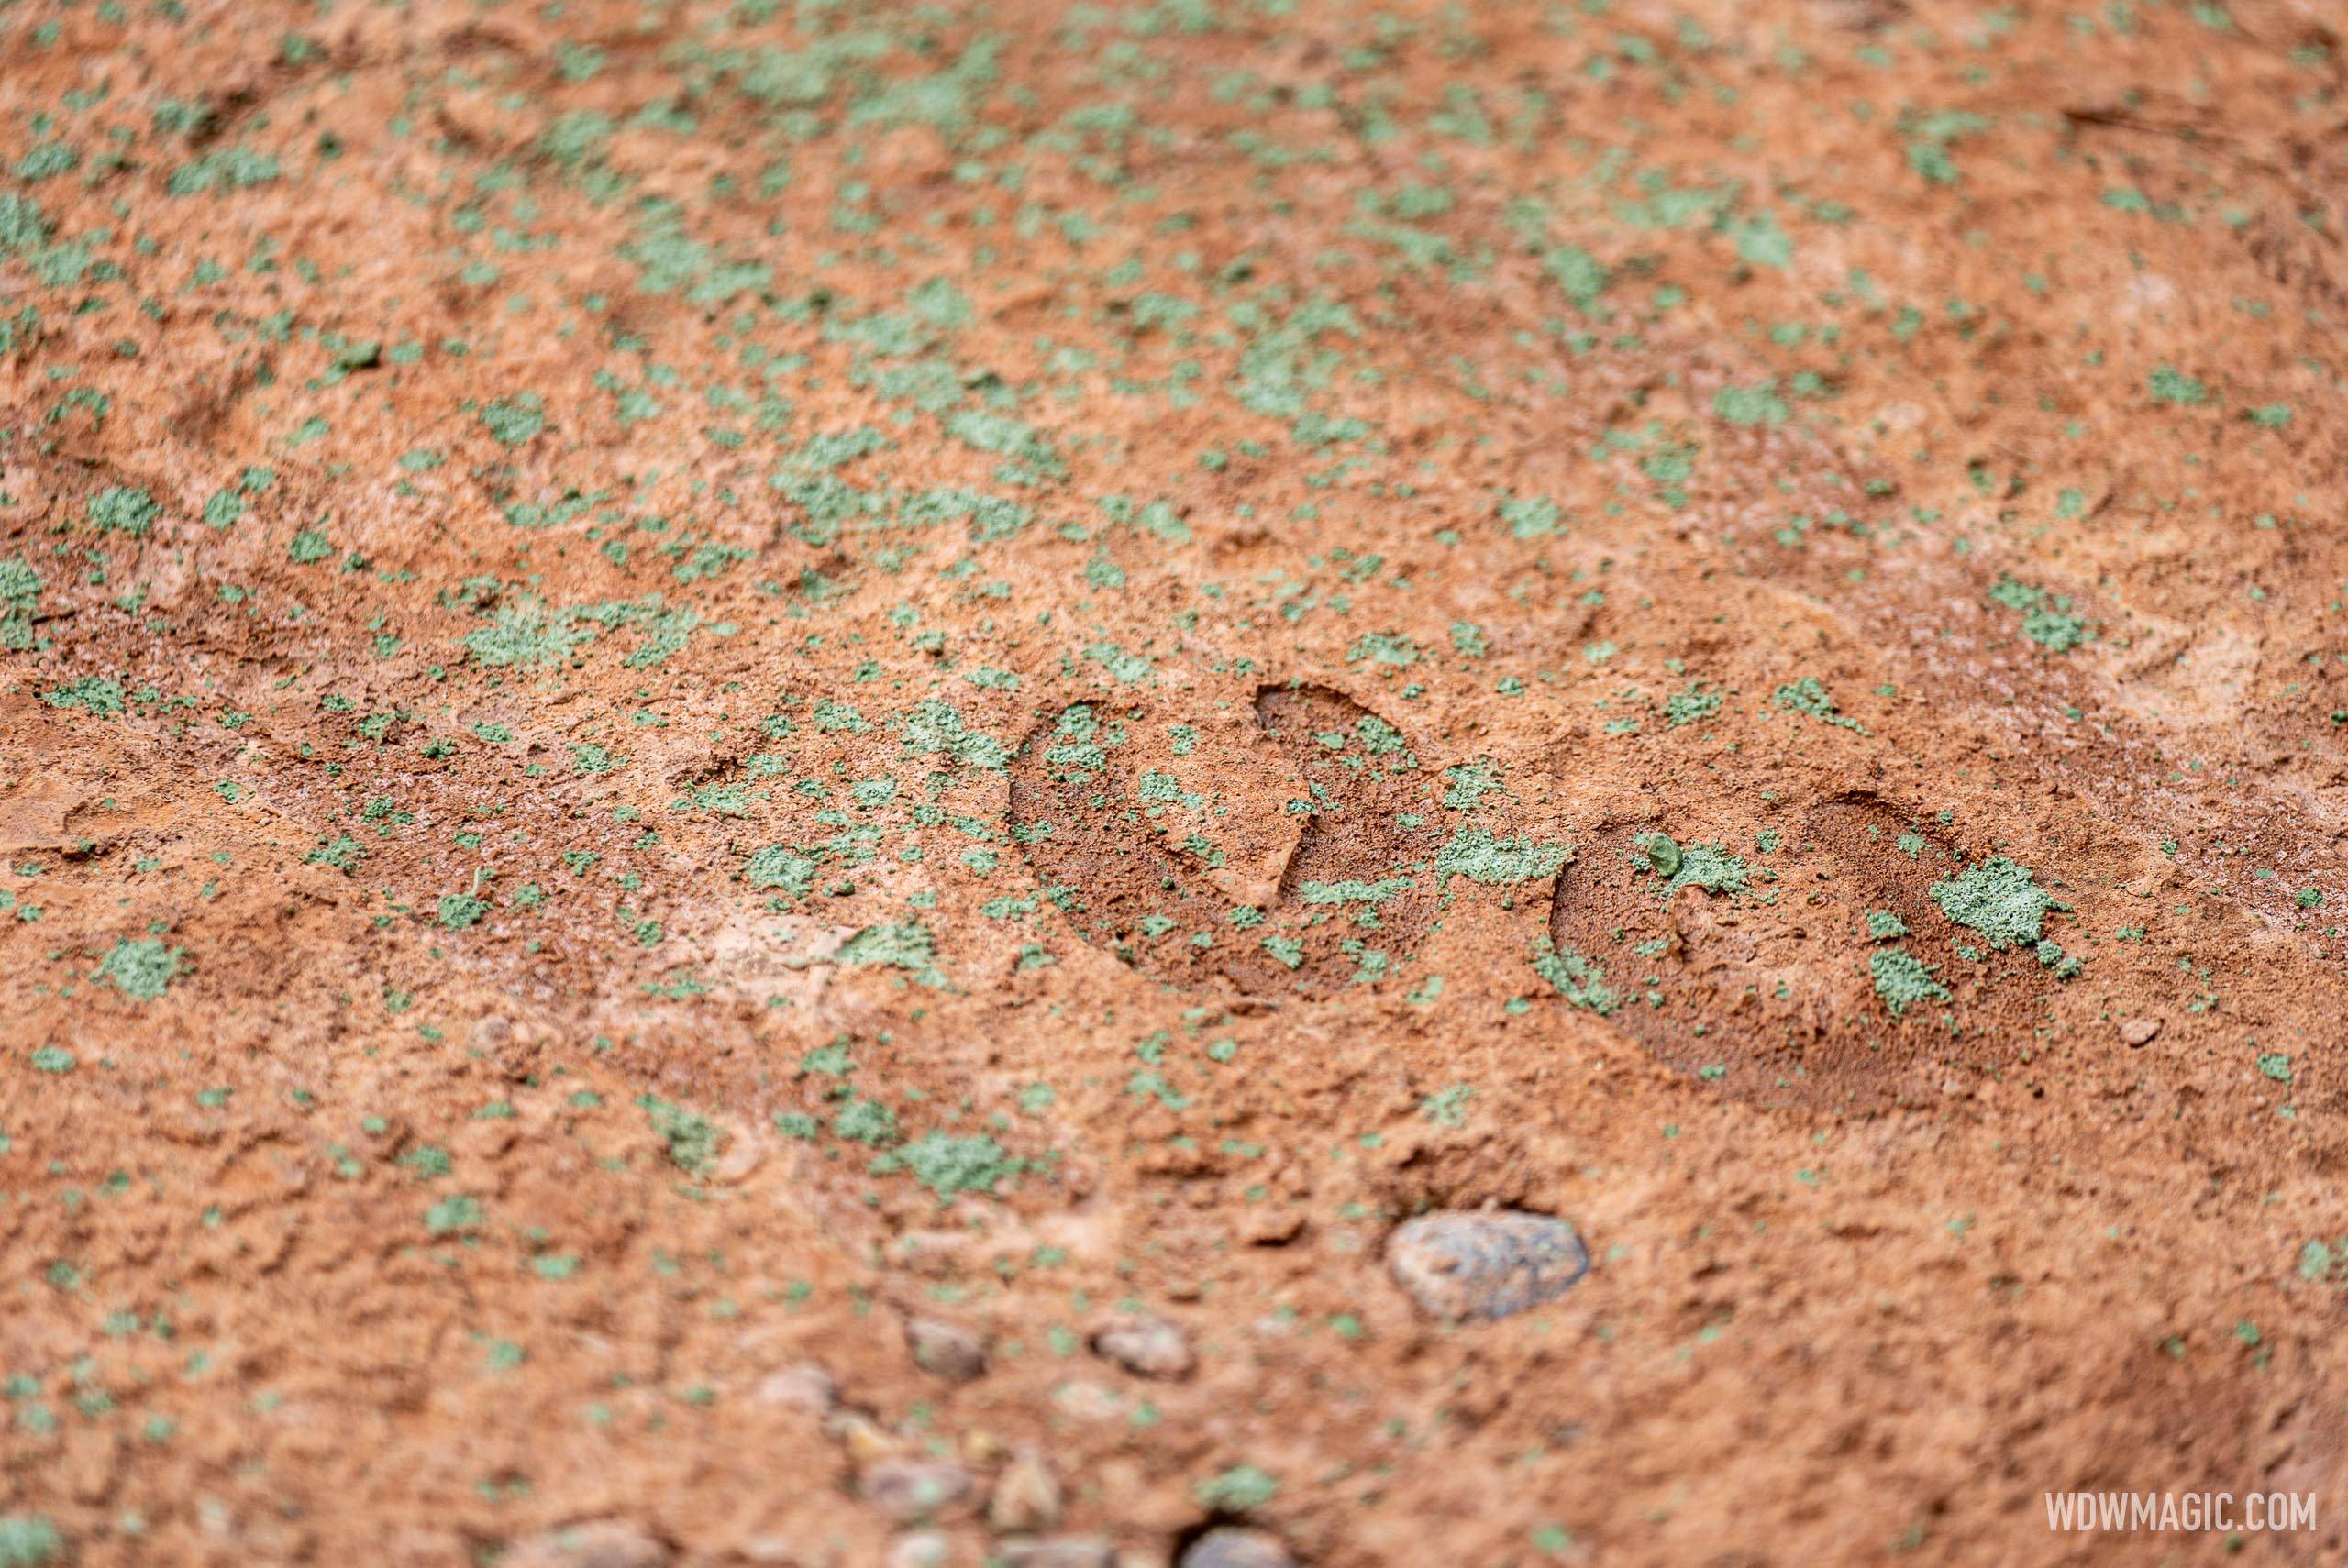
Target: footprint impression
1282	849
1287	848
1866	962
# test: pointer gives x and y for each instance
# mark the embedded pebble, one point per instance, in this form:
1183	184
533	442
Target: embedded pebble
590	1543
1238	1549
1486	1264
1147	1346
865	1439
805	1386
2139	1032
1026	1497
947	1350
1057	1551
921	1549
911	1490
1088	1401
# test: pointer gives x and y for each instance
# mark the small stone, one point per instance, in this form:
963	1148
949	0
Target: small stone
947	1350
931	1252
1148	1346
743	1153
911	1490
779	1550
1238	1549
1662	853
1026	1497
1270	1227
1087	1401
865	1439
2138	1032
921	1549
1057	1551
805	1386
1485	1264
590	1543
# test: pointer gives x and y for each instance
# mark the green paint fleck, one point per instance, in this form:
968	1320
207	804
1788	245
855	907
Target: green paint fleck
1808	697
142	970
948	1164
1707	865
2171	386
29	1541
1581	980
1998	899
905	945
1475	854
1903	980
123	510
512	421
780	865
1237	1490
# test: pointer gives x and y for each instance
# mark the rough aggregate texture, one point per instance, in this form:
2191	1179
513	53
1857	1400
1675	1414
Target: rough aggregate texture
721	718
1485	1265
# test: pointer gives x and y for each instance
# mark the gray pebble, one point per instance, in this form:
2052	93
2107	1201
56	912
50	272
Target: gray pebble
590	1543
1487	1264
947	1350
921	1549
803	1386
1057	1551
1238	1549
1149	1346
912	1490
1026	1497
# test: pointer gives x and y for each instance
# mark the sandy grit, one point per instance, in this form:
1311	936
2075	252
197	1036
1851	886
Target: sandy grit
1239	783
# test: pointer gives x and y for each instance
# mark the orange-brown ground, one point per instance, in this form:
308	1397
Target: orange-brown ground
694	695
